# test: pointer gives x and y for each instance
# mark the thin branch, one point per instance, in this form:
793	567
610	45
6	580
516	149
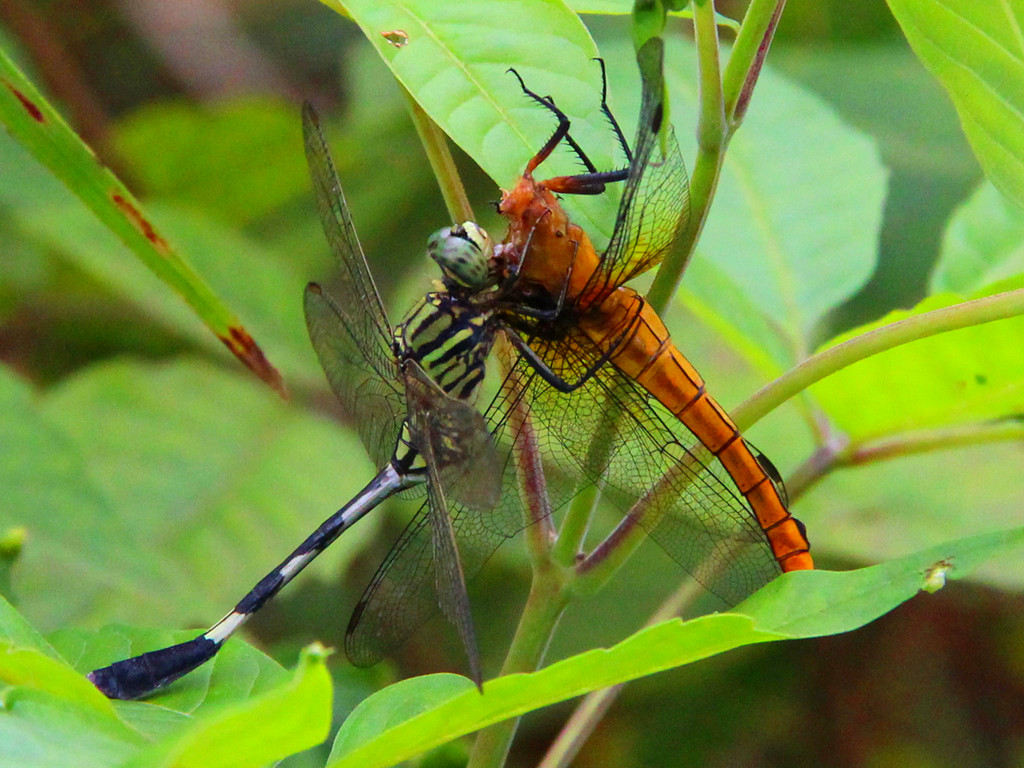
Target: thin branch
435	144
828	459
969	313
588	714
748	55
712	136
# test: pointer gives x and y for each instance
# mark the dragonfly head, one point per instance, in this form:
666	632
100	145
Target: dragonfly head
464	254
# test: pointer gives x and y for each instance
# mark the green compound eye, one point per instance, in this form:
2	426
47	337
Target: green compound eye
463	252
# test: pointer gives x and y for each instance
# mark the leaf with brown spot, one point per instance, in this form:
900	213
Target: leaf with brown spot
37	126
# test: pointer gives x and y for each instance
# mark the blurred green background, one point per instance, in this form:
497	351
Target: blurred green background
182	479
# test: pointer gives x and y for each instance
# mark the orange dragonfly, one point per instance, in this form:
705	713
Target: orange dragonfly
613	401
579	314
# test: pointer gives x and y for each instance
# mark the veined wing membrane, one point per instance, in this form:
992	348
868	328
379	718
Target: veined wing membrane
374	402
655	203
427	567
402	595
653	469
358	304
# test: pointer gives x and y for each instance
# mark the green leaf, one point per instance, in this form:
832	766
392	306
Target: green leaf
48	492
959	377
39	729
237	672
38	126
449	66
165	491
32	668
51	715
282	721
203	155
795	223
983	245
394	705
976	52
802	604
16	631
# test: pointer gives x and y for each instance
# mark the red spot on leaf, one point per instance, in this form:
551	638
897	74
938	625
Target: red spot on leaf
27	103
140	222
248	351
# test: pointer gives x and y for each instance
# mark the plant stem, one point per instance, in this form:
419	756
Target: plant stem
549	593
830	458
435	144
748	55
594	705
969	313
574	526
712	136
548	598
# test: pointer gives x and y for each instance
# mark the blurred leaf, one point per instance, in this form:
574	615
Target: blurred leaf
881	510
240	158
449	66
794	227
237	672
795	224
35	124
288	718
975	51
39	729
984	244
32	668
52	716
262	283
17	632
48	491
394	705
957	377
802	604
165	491
881	88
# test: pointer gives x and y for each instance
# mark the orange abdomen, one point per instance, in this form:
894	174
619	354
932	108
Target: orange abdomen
647	355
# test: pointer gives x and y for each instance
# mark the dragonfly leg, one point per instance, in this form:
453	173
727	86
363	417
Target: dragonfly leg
611	118
561	132
593	181
558	382
511	283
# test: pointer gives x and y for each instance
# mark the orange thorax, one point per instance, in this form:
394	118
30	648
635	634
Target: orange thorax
544	244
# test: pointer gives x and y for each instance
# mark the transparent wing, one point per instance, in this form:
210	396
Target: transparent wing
352	337
374	402
442	546
358	302
653	469
655	203
449	581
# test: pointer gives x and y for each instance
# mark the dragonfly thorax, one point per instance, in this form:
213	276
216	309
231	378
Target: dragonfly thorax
450	339
464	254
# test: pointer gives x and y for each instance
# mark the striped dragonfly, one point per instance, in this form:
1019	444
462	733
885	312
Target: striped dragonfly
417	383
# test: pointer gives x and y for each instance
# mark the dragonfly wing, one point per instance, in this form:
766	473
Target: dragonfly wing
359	301
449	580
655	203
403	594
375	402
440	548
653	469
457	439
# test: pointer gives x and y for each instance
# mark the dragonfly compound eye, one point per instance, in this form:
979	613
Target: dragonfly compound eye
463	253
